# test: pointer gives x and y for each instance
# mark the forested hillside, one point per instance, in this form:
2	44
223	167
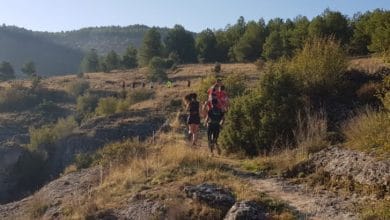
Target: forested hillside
19	46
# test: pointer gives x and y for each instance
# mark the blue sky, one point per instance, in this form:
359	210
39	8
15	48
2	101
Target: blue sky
57	15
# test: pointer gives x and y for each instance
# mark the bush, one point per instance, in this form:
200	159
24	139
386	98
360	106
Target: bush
157	67
369	131
42	139
48	107
86	104
264	118
120	152
77	88
106	106
139	95
320	66
17	99
235	85
204	85
110	105
83	161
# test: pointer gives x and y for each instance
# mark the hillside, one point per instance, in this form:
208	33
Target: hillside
103	39
19	46
61	53
136	163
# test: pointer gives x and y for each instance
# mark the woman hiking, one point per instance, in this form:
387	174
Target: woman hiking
214	120
193	120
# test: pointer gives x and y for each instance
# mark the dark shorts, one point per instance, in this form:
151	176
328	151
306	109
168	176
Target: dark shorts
193	119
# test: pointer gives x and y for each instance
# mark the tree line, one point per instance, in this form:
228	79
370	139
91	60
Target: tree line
247	41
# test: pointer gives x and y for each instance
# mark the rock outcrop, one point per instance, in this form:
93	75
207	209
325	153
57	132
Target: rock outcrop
211	194
246	210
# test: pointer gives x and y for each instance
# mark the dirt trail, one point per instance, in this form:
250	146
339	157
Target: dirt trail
311	205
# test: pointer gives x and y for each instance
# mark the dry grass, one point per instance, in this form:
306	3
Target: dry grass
367	65
369	131
161	174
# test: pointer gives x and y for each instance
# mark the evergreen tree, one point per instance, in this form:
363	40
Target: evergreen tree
112	61
300	32
151	46
6	71
273	46
249	47
157	69
90	62
181	42
129	59
29	68
206	46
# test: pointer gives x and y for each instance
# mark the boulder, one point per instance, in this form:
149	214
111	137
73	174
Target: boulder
211	194
245	210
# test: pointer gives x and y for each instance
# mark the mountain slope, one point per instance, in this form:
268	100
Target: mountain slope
19	46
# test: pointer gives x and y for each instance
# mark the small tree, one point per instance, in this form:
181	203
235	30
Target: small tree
6	71
129	59
90	62
151	46
29	68
157	69
112	61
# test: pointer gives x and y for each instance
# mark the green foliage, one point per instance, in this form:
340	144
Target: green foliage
262	119
35	81
129	59
203	86
369	131
6	71
86	104
320	66
17	99
90	62
151	46
273	46
42	139
300	32
206	46
112	61
83	161
78	87
181	42
331	23
157	68
235	85
139	95
120	152
249	47
385	93
29	68
377	27
106	106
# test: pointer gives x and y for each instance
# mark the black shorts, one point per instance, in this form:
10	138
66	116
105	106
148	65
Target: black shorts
193	119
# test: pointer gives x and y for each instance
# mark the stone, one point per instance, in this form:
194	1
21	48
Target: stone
211	194
245	210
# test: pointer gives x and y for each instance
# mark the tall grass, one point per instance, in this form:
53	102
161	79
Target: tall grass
369	131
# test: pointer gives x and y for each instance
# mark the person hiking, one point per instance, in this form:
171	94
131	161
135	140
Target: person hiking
223	99
214	120
193	120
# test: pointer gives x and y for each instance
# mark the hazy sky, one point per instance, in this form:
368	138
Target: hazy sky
57	15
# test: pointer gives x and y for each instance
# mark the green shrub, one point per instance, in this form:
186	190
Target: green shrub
78	87
86	104
235	85
43	138
48	107
17	99
157	67
110	105
83	161
120	152
369	131
139	95
384	93
320	66
204	85
106	106
264	118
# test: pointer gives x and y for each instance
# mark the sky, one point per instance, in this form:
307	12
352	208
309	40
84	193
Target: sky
64	15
